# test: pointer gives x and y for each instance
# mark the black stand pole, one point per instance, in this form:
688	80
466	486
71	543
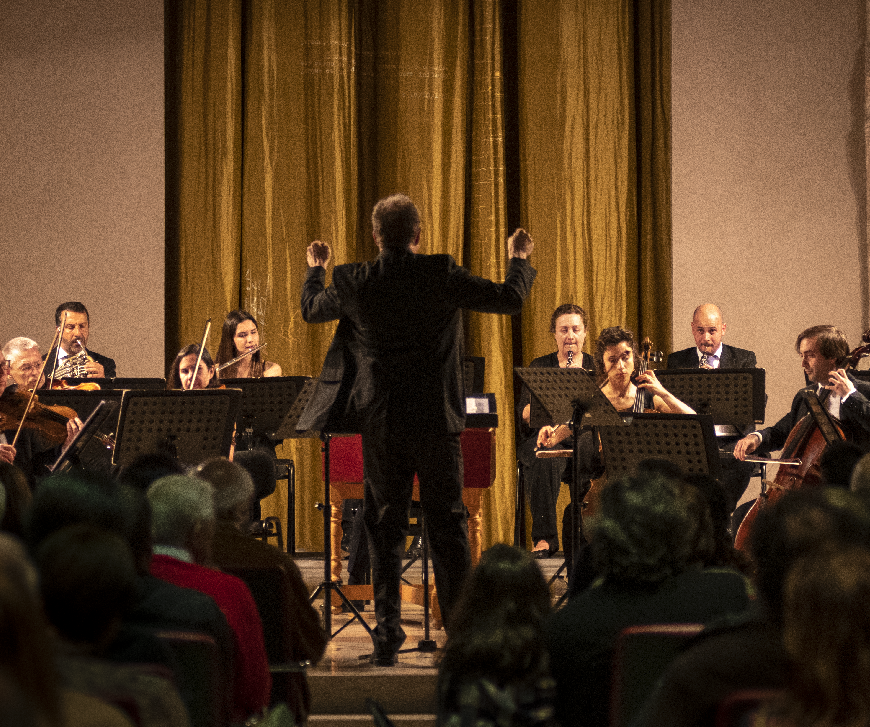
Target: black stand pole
328	585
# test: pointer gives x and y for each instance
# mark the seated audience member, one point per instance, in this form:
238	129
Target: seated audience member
88	581
495	669
746	651
649	539
27	659
233	547
182	526
837	463
147	468
860	480
826	633
25	363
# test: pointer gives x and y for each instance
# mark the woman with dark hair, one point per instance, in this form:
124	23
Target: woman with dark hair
239	335
826	633
495	669
649	540
182	370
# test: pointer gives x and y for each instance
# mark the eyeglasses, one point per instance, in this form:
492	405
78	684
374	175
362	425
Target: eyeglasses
28	368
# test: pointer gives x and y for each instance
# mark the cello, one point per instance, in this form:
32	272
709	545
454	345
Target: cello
799	459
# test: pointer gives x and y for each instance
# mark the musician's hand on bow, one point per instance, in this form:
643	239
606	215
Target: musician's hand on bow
551	436
745	446
73	427
318	253
839	383
520	244
7	453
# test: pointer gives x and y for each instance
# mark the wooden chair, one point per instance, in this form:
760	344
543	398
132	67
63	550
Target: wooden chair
201	679
641	655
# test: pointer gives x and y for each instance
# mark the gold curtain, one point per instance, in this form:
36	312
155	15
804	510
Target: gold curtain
287	120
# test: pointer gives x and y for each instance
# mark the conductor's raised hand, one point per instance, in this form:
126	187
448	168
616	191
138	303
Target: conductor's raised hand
520	244
318	253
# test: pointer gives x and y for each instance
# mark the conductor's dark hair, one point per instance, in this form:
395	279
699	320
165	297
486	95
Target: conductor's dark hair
395	222
568	309
73	307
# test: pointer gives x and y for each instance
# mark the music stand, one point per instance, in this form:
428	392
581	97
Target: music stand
266	403
152	384
86	436
191	426
732	397
686	440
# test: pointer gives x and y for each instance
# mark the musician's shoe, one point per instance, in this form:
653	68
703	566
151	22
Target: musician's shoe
415	550
544	550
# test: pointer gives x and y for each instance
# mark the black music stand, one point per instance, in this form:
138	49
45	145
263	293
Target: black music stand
686	440
85	438
191	426
266	404
732	397
569	396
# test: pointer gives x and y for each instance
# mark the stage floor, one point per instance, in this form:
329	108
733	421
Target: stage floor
344	652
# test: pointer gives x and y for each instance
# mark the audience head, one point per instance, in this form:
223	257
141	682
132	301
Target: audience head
395	223
826	632
147	468
648	528
798	524
182	514
233	489
26	655
75	497
182	370
860	480
495	627
838	462
87	581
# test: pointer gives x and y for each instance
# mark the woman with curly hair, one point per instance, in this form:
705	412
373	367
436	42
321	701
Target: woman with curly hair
495	667
649	540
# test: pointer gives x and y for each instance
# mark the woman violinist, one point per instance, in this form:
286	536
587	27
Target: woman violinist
240	335
182	370
623	381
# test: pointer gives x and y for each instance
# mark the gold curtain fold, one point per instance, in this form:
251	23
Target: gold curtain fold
291	118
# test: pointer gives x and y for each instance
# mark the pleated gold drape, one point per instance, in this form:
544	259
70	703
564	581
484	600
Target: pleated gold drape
288	119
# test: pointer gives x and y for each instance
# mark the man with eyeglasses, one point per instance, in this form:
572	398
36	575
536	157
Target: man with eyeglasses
25	362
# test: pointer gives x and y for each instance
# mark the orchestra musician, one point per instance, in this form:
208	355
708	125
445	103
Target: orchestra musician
74	342
182	370
26	362
708	329
543	477
394	373
823	350
239	335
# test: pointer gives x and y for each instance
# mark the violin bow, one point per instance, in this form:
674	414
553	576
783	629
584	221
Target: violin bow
54	347
55	341
199	357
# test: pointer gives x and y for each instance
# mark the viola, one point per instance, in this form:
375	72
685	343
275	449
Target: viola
803	448
50	421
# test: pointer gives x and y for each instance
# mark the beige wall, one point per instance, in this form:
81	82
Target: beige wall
82	164
768	173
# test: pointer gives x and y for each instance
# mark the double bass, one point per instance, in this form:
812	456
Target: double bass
799	459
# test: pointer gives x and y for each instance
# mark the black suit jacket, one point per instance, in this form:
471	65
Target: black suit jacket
732	358
399	341
854	418
107	363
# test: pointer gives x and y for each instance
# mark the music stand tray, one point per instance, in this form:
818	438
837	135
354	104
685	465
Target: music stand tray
734	397
196	424
687	440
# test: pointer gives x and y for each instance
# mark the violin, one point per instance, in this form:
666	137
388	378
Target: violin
799	459
50	421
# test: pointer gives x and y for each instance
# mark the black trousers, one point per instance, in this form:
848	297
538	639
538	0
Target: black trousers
390	460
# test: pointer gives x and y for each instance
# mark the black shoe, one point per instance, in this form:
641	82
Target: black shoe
384	660
415	550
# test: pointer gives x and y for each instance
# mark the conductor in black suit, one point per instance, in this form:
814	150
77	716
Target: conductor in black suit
708	328
709	352
394	373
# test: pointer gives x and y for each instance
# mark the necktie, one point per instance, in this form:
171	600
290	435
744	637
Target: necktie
703	362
